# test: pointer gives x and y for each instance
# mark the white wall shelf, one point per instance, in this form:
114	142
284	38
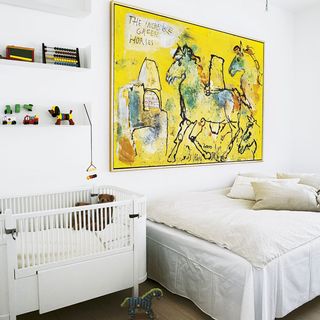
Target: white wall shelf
39	65
51	126
71	8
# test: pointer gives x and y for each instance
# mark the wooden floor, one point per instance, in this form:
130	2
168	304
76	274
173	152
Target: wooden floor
170	307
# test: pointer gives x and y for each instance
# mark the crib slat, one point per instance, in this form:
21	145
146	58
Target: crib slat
23	245
32	242
83	240
69	240
93	247
123	227
105	235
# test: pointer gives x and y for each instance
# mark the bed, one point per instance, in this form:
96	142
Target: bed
225	281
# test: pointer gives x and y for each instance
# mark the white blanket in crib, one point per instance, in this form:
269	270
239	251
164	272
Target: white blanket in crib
56	244
258	236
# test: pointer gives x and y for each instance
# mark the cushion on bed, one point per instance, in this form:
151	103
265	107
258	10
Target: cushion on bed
276	196
242	188
309	179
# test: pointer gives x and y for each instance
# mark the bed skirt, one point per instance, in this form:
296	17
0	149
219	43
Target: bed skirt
226	286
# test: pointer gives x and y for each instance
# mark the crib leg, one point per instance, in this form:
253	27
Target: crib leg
11	248
11	281
135	290
10	224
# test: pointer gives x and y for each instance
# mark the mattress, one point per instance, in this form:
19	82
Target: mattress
227	286
56	244
258	236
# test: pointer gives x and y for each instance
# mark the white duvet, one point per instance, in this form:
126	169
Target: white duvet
257	236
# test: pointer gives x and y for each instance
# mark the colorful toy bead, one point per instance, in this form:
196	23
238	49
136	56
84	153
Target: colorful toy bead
92	176
61	56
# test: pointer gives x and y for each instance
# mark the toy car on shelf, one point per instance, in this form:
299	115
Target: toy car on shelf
31	119
9	120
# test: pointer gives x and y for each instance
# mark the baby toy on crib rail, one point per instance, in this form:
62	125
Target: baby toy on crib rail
144	302
55	112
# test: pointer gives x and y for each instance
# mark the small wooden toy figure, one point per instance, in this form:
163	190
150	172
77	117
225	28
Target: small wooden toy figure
144	302
17	108
9	120
55	112
28	107
31	119
8	109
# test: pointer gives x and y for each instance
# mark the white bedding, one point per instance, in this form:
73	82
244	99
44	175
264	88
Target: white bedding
58	244
257	236
55	245
226	286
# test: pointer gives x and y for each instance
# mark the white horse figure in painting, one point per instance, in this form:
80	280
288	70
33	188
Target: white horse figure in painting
201	102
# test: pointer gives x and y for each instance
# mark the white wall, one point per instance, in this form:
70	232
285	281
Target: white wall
50	158
306	111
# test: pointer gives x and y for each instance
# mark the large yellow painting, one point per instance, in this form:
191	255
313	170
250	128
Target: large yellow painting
182	94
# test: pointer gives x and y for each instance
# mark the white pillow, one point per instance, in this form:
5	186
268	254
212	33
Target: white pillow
242	188
292	197
309	179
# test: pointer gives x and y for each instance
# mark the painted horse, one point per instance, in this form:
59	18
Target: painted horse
246	63
202	102
246	140
144	302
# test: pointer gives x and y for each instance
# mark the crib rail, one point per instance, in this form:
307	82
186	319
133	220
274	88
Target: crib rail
44	202
48	237
51	201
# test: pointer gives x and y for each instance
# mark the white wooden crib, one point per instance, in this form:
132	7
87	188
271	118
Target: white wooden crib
53	254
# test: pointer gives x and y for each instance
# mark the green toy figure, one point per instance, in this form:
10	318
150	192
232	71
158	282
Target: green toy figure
17	108
28	107
8	109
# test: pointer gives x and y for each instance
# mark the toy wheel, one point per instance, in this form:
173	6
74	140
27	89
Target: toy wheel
4	122
14	122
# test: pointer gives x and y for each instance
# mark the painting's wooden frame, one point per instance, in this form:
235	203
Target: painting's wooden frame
111	109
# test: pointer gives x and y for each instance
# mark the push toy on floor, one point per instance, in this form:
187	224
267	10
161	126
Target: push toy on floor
144	302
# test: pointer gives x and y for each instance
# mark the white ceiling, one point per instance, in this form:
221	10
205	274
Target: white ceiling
294	5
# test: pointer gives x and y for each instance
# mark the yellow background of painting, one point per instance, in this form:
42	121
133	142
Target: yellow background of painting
208	41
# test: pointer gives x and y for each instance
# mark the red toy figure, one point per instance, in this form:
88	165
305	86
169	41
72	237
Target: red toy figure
31	119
